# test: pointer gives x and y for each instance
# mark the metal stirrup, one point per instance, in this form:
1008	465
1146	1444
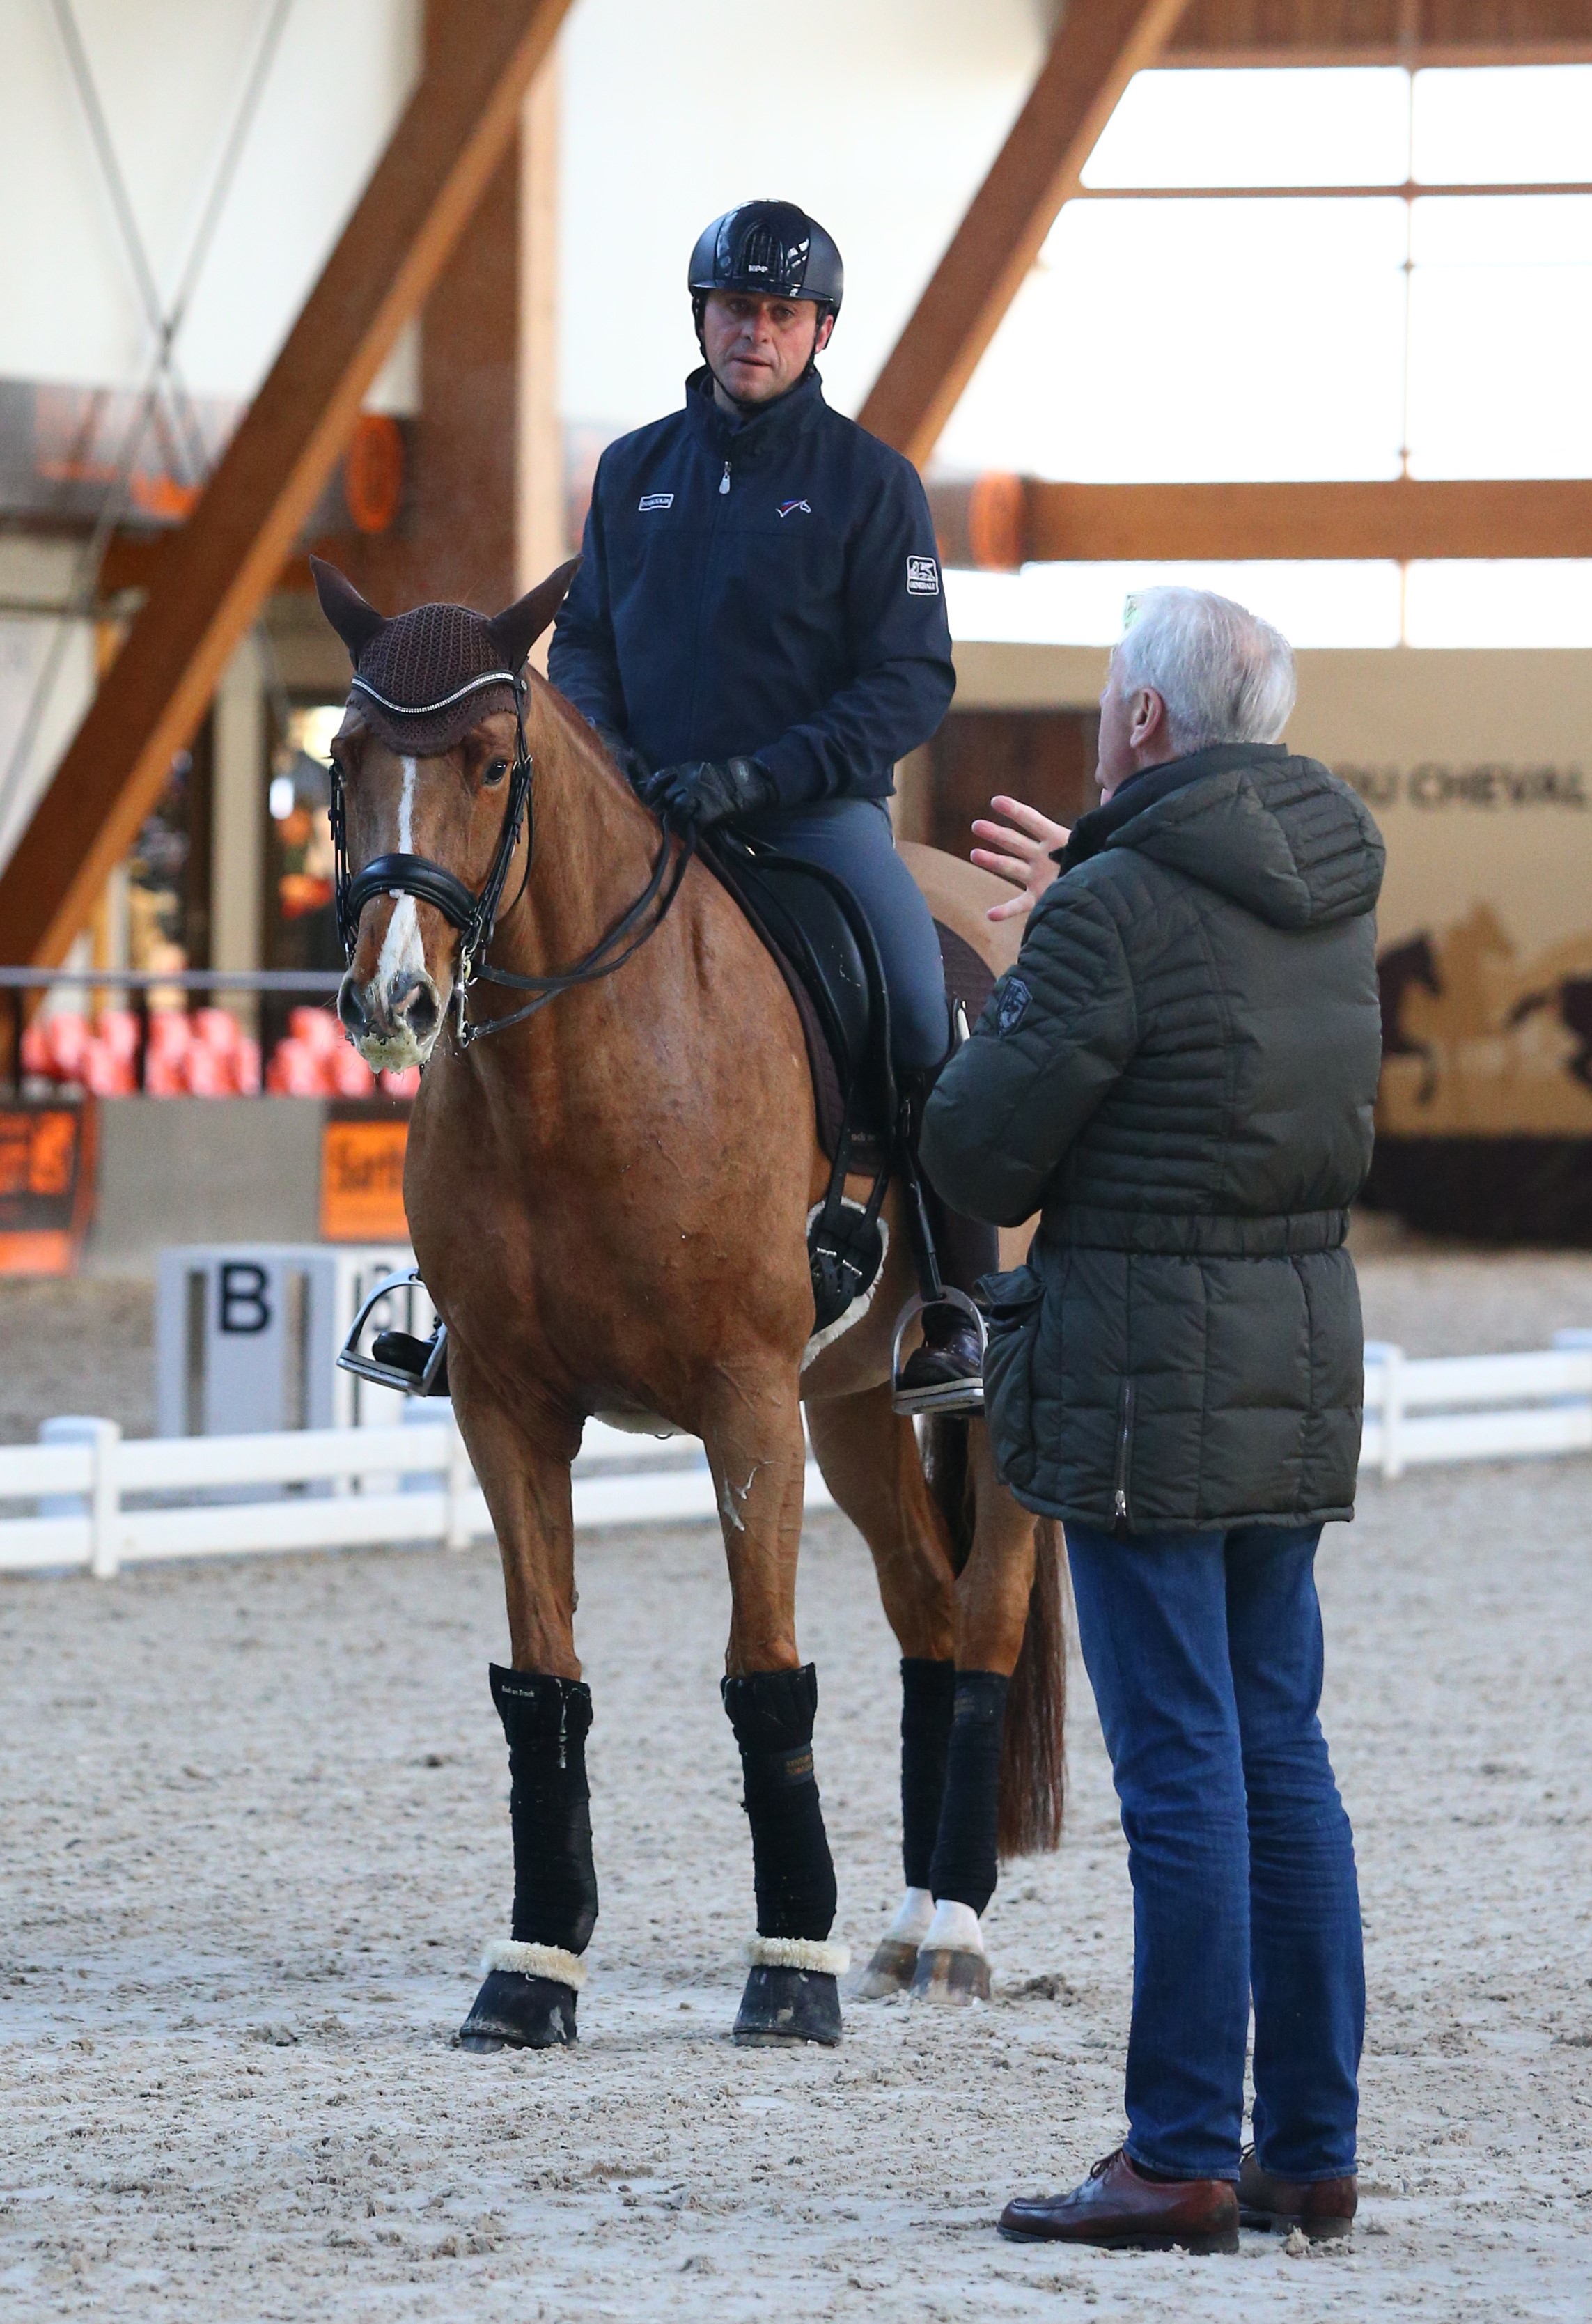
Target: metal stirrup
963	1396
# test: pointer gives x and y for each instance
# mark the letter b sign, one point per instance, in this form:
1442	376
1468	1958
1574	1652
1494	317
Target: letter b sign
244	1308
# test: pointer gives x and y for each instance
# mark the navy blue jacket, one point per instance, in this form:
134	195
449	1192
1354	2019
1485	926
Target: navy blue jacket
765	588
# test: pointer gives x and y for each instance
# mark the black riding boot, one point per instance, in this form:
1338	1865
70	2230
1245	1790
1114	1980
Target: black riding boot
966	1249
947	1371
528	1998
791	1993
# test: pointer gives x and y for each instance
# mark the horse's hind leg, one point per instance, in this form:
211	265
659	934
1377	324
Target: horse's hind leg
869	1458
979	1623
756	1452
532	1978
1000	1618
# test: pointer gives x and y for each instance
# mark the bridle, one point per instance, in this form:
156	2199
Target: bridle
474	912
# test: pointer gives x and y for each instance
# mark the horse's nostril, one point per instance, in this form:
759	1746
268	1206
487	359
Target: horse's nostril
414	1005
351	1008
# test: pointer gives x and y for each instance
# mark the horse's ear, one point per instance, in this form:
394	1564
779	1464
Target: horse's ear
355	623
516	629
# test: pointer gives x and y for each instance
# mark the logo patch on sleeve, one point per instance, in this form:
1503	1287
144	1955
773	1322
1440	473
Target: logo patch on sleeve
1014	998
922	576
655	500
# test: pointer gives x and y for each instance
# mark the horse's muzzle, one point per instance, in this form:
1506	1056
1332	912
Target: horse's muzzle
392	1022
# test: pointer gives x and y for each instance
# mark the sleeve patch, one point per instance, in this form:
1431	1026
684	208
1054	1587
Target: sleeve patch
1015	996
922	576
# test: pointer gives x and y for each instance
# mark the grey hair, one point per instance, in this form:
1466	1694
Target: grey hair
1224	673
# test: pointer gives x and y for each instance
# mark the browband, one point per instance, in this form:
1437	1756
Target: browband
427	709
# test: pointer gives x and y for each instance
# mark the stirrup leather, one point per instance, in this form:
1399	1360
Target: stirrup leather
963	1396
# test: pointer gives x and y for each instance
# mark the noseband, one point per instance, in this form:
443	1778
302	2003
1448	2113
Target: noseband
474	912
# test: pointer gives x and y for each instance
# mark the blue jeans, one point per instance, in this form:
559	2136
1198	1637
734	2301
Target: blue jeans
852	838
1204	1651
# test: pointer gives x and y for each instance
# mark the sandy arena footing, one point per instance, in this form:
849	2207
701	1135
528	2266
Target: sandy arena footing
255	1829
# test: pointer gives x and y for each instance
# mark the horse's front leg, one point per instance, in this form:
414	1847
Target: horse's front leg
532	1978
753	1434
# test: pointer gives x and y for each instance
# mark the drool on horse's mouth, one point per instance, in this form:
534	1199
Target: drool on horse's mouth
396	1055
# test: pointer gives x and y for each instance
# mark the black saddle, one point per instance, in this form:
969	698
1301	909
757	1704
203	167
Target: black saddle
823	947
814	928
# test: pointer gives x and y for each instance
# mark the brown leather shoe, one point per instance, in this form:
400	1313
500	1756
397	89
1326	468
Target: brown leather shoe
1321	2209
1119	2207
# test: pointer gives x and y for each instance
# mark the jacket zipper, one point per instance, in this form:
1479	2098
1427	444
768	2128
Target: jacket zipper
1124	1447
707	564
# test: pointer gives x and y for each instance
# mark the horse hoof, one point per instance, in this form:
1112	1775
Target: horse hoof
889	1971
789	2005
952	1977
519	2013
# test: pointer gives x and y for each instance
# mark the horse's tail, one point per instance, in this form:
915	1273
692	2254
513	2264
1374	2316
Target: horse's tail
1033	1765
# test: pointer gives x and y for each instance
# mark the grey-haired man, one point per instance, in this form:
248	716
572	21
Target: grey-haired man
1180	1073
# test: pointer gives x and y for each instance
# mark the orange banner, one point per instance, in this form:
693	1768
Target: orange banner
362	1175
46	1186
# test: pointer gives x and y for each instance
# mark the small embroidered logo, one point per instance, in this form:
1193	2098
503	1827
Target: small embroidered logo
923	577
655	500
794	508
1014	1001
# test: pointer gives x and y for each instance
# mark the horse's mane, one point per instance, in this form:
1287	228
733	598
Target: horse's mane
584	740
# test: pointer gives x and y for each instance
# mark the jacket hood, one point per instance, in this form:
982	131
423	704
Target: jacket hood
1279	834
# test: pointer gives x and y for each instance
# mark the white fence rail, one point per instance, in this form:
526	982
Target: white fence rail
103	1500
95	1498
1426	1409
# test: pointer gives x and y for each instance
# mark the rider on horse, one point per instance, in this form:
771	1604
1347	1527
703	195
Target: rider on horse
759	635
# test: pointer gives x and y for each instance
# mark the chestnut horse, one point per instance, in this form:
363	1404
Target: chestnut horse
609	1201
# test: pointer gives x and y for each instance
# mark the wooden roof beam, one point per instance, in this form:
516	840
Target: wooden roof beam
1001	523
1425	55
214	574
1100	45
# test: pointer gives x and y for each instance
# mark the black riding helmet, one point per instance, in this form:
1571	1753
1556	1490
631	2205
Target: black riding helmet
773	249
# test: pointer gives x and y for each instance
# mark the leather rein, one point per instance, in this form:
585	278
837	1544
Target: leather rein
474	912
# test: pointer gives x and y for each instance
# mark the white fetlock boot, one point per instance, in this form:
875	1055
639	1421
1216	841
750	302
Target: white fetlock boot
895	1957
951	1966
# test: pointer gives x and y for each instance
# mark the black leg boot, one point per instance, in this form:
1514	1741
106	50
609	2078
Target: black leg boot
951	1963
792	1994
532	1978
928	1692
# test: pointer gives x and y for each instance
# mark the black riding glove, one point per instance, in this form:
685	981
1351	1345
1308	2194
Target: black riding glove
710	790
632	765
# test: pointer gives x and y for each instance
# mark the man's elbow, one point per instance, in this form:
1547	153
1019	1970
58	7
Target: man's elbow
973	1178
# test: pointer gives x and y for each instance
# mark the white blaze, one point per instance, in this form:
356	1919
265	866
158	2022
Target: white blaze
403	953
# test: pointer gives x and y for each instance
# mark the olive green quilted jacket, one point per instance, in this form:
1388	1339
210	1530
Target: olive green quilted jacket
1179	1074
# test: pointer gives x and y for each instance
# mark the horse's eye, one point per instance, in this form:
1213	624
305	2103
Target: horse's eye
497	771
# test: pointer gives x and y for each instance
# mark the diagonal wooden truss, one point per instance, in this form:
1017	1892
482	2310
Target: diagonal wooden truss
213	575
1098	47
